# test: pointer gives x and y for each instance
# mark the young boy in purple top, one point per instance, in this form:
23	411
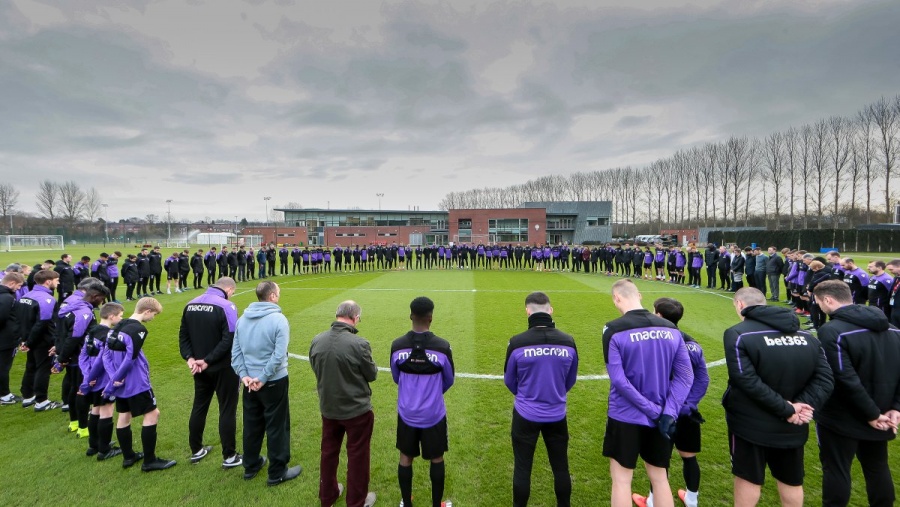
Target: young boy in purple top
129	382
95	378
687	427
650	378
541	367
422	367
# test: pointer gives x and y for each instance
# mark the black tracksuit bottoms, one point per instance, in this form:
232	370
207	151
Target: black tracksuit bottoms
225	384
524	440
267	414
836	453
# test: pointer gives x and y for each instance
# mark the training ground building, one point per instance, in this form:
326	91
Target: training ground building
576	222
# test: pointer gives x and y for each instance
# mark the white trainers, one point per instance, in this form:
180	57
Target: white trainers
232	462
370	499
199	455
9	399
168	291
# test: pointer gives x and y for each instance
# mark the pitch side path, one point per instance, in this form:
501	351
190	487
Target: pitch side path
477	312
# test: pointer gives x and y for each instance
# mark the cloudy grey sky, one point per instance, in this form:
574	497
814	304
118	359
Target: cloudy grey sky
217	103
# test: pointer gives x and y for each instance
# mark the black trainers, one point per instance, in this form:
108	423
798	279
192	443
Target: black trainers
91	451
112	453
289	474
232	462
250	473
27	402
157	464
127	463
199	455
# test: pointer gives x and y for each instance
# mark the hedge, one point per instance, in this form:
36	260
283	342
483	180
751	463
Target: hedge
813	240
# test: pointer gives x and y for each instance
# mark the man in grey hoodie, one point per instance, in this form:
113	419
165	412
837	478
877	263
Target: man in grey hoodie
259	357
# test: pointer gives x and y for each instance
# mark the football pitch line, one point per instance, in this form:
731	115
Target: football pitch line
484	376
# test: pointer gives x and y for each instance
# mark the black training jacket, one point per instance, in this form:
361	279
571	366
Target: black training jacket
155	259
207	329
864	353
775	265
9	324
770	364
66	278
130	272
143	266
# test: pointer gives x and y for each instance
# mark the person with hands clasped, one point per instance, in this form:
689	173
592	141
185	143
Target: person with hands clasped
777	377
129	382
862	414
259	357
650	378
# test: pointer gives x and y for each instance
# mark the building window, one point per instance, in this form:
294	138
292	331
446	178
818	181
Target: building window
597	221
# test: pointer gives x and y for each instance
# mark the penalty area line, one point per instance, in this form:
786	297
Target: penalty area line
483	376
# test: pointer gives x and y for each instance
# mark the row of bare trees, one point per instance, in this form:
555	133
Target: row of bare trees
68	201
826	174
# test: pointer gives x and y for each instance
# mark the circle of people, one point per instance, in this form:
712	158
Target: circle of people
780	376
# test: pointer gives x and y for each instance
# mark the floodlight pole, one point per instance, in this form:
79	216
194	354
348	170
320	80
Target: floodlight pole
169	220
380	195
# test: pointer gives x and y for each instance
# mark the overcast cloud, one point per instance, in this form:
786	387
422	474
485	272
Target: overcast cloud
215	104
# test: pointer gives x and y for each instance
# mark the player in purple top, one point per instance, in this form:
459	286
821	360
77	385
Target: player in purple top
100	425
687	427
879	286
650	378
422	367
856	279
37	327
659	261
541	367
129	382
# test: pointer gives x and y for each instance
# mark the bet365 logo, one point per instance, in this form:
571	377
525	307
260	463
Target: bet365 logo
785	341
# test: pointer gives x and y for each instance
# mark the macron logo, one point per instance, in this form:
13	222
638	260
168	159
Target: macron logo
653	334
546	351
403	356
785	341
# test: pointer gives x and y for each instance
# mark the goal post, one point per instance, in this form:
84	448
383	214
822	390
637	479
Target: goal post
30	243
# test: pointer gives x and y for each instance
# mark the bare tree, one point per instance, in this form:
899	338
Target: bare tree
886	115
754	152
840	130
48	199
93	204
805	141
736	159
774	154
790	152
865	155
71	200
819	153
9	199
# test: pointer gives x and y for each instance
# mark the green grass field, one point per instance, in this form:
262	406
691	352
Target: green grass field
476	311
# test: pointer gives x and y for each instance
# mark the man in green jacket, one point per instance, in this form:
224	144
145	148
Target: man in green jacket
342	362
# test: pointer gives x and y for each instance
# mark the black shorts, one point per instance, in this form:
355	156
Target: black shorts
647	265
432	441
658	264
749	460
170	276
687	435
138	405
624	442
96	399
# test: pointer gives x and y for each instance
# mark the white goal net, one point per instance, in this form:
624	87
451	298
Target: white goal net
24	243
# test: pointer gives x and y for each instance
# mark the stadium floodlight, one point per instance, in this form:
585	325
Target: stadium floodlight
169	220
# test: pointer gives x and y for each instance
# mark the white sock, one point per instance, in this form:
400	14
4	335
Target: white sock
690	499
650	499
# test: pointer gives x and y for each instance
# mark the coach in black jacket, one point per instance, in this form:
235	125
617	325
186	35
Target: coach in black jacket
777	377
197	268
205	340
711	258
155	258
738	263
774	267
863	413
66	277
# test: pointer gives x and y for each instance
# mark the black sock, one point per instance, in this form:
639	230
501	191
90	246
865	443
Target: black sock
104	433
93	430
82	410
691	474
124	435
148	440
437	483
405	475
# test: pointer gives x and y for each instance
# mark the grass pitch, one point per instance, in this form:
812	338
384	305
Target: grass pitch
476	311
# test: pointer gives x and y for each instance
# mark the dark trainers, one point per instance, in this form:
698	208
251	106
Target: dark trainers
91	451
157	464
289	474
127	463
199	455
27	402
250	473
232	462
112	453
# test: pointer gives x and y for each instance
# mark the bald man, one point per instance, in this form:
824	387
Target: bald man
650	377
